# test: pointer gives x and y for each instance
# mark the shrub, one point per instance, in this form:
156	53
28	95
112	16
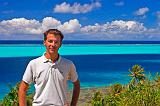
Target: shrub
141	91
11	99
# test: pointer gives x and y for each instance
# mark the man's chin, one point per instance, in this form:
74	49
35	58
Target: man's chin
52	52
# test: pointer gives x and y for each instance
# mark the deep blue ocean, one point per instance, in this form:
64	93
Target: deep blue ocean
93	70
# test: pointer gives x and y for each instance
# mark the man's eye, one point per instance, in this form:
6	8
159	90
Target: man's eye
50	41
56	41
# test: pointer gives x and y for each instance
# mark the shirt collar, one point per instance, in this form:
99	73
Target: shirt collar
45	60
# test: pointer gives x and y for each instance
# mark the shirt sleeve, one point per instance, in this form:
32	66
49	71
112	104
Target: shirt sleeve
73	73
27	77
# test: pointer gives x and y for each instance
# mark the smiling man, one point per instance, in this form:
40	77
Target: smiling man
50	74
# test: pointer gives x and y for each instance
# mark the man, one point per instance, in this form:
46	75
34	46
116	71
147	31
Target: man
50	73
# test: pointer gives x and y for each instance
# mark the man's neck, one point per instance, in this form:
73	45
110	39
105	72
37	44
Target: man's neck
53	57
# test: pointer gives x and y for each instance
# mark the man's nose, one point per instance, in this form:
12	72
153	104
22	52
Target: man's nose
53	43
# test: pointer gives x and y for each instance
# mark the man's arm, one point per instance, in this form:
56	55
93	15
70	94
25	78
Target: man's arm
22	93
76	91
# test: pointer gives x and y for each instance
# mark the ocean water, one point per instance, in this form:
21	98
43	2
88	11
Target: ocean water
97	64
21	50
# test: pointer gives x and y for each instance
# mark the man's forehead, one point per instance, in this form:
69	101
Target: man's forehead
52	36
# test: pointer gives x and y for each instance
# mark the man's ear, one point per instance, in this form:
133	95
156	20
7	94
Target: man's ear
44	43
61	44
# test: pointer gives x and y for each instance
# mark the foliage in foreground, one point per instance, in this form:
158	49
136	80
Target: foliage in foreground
139	92
11	99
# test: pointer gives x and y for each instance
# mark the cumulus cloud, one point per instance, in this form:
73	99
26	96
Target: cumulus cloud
50	22
121	3
115	27
73	26
76	8
20	26
118	29
25	26
142	11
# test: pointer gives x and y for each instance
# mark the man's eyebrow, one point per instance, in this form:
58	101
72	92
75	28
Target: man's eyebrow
55	40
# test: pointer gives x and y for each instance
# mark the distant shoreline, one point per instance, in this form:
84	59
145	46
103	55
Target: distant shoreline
81	42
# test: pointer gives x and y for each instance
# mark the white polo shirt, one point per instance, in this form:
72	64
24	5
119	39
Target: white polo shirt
50	80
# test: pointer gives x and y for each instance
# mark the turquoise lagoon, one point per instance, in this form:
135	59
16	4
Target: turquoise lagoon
77	49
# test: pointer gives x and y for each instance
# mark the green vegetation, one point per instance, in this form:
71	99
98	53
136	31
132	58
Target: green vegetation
11	99
142	90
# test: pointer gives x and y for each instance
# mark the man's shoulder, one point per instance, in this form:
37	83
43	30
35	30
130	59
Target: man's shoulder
36	60
65	60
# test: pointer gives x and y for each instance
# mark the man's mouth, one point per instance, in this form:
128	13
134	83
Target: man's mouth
52	49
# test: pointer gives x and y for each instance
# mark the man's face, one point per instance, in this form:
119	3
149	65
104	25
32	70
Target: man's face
52	43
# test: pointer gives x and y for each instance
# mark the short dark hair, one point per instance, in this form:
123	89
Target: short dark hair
53	31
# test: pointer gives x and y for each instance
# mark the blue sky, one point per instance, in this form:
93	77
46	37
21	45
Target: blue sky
81	19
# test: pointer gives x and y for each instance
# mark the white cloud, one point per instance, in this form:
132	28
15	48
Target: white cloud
142	11
50	22
24	26
76	8
115	27
20	26
121	3
72	26
118	29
